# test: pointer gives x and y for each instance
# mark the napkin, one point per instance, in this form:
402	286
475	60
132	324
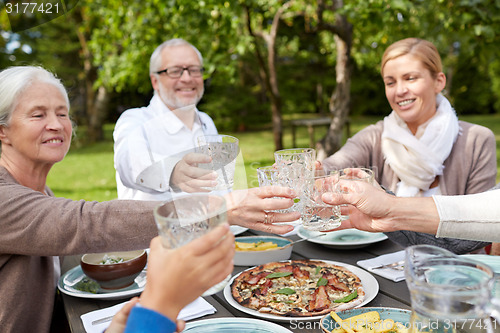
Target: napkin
388	273
198	308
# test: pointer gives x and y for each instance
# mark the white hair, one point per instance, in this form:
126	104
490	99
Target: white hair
155	60
14	81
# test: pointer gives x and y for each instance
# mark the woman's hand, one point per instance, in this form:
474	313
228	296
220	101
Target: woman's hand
253	208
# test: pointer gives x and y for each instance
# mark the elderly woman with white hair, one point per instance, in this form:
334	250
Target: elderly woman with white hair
35	133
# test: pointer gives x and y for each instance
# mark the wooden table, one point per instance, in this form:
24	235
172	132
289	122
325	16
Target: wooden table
391	294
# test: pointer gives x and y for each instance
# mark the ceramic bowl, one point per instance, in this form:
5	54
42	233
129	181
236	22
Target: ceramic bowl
398	315
111	274
253	258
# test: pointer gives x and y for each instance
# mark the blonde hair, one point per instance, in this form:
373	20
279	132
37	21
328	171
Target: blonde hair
422	49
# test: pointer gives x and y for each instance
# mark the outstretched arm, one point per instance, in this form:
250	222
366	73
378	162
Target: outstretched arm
371	209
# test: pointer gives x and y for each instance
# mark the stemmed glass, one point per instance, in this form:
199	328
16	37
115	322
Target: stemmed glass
183	219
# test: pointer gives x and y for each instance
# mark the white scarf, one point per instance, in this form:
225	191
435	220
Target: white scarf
415	161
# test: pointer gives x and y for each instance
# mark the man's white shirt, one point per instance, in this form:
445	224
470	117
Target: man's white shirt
149	141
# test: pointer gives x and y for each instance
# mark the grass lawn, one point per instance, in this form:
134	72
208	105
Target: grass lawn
88	172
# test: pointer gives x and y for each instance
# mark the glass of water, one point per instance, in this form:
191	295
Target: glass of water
317	215
183	219
294	167
223	149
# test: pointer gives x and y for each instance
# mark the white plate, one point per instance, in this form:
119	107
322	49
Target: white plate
231	325
343	239
69	279
370	286
236	229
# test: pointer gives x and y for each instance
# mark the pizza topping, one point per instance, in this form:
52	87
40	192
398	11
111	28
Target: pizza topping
299	273
256	278
322	282
348	298
320	300
285	291
278	275
264	290
334	281
286	268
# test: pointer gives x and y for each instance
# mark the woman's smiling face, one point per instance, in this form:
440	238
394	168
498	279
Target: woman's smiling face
40	129
411	90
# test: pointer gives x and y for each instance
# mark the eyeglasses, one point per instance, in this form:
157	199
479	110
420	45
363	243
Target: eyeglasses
176	72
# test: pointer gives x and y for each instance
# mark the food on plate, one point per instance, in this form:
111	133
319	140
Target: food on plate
367	322
256	246
110	259
298	288
87	285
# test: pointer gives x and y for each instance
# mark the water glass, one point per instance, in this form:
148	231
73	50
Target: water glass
449	293
183	219
294	167
317	215
358	174
223	149
267	176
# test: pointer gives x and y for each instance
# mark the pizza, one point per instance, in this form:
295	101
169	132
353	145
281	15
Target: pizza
298	288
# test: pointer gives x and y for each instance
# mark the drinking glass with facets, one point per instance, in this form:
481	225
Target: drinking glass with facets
316	214
183	219
294	167
268	176
223	149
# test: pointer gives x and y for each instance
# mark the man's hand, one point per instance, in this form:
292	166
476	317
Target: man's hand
187	177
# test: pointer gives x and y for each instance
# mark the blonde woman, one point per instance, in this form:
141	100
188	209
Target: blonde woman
421	149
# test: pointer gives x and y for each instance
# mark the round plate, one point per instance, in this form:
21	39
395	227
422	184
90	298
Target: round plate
236	229
343	239
230	325
71	277
370	286
399	315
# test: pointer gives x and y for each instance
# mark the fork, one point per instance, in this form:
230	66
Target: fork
398	266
